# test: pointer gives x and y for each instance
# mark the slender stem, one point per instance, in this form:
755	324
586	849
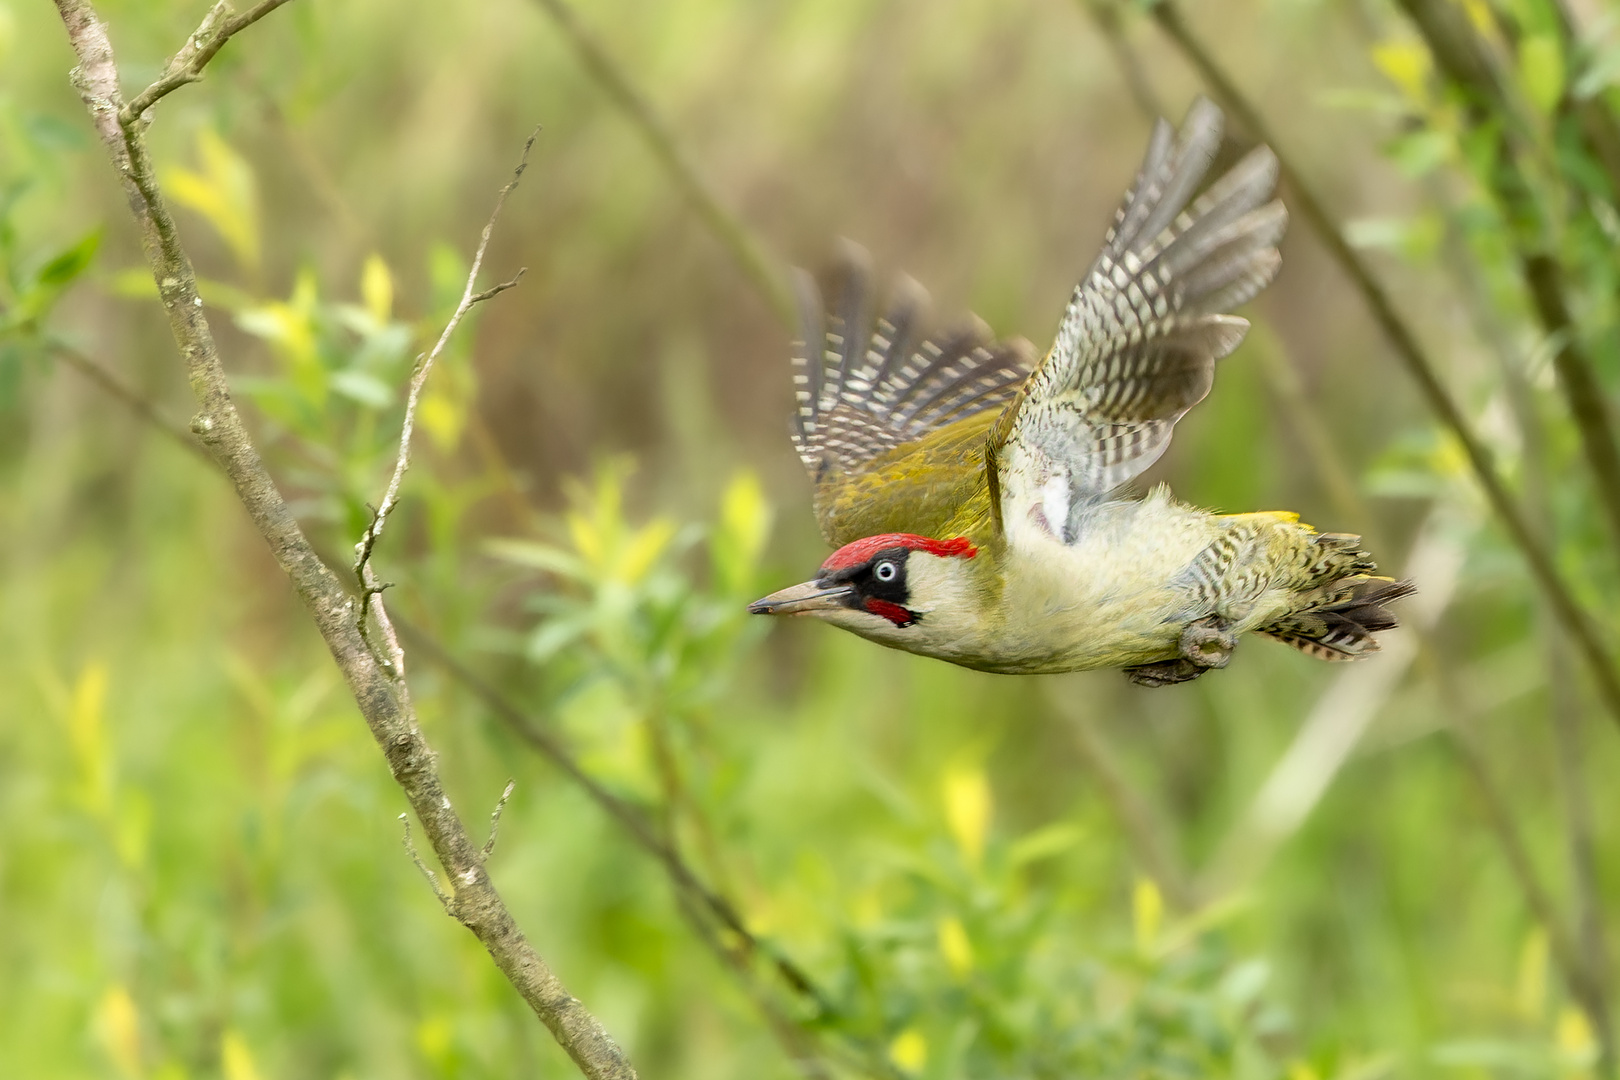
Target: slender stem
1587	986
1135	817
1560	599
696	897
123	392
474	901
1563	697
736	238
218	26
1466	64
370	588
1587	990
630	817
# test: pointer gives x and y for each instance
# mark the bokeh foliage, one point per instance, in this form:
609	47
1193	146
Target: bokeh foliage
199	864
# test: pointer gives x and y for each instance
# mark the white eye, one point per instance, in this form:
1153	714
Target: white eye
886	571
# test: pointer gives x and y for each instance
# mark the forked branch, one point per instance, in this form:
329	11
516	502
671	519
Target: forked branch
380	694
393	659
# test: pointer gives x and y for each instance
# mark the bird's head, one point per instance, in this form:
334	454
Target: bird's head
892	588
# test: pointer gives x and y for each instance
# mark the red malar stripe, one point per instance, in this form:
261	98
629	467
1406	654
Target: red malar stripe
893	612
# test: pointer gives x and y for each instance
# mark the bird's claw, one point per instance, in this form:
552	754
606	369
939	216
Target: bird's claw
1164	673
1208	643
1205	644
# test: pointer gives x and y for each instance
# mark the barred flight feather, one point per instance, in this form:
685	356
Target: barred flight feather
864	390
1139	340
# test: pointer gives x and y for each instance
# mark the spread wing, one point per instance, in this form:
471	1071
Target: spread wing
1139	340
891	424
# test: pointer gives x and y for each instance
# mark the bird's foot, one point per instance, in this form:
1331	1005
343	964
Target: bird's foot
1208	643
1164	673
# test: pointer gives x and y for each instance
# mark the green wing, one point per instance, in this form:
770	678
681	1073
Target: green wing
890	424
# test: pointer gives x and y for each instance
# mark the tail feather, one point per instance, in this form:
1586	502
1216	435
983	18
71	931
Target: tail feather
1343	629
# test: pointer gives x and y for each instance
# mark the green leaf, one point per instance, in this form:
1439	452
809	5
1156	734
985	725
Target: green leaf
1541	71
363	387
68	264
538	556
225	192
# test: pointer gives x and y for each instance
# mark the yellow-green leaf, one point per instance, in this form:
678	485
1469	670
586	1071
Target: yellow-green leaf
909	1050
118	1028
1530	992
1406	64
443	417
235	1059
644	548
224	192
1541	71
1147	913
954	945
87	733
966	792
377	288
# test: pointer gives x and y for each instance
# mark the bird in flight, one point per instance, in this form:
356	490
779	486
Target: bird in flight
979	501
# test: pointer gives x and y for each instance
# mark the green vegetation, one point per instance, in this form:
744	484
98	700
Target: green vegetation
1402	868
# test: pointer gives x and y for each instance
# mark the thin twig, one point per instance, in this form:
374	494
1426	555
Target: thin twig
495	819
1588	988
218	26
693	894
124	393
630	817
737	239
1563	696
689	887
1129	807
444	898
1589	995
386	707
1106	18
370	589
1577	623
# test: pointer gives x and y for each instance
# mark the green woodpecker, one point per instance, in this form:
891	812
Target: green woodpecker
977	498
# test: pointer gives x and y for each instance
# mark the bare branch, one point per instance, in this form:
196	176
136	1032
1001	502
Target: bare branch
370	589
1464	61
1575	619
381	696
695	896
218	26
744	248
113	385
1129	807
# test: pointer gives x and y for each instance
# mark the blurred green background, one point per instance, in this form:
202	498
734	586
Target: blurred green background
1283	870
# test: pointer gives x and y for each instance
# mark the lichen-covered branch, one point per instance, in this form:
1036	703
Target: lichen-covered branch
186	66
473	899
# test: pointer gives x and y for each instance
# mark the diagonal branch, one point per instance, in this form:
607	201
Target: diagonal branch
186	66
706	909
743	247
370	588
1465	63
116	387
474	901
1577	623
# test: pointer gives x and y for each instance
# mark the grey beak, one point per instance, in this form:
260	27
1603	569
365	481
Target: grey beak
804	599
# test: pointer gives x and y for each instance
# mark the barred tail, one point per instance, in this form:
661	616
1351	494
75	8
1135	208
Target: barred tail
1343	629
